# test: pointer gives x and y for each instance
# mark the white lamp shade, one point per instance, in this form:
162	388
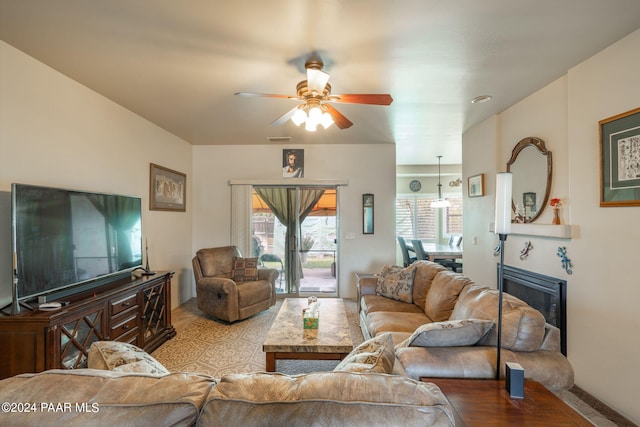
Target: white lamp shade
440	203
326	120
503	203
310	125
299	117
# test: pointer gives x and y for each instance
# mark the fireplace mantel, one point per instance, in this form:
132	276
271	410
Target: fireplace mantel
562	231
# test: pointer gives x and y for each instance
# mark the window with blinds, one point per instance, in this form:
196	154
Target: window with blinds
415	219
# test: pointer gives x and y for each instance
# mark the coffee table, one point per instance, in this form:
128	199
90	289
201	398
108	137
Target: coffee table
487	403
287	339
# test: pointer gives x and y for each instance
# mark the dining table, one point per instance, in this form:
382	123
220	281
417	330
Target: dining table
442	250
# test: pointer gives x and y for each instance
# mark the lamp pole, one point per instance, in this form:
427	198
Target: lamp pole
502	229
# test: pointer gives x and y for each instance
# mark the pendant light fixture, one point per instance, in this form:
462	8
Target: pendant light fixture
440	203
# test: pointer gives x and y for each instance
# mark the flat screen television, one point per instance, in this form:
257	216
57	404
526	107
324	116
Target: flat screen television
67	241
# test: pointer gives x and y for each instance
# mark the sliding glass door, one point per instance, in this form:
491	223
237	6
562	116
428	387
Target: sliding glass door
294	229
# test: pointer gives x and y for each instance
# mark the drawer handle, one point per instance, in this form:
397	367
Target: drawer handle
126	304
125	327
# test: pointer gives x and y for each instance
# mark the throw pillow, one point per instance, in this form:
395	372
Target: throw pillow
245	270
451	333
396	282
374	355
122	357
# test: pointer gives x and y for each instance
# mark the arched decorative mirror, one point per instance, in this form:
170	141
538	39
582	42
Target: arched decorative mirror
531	167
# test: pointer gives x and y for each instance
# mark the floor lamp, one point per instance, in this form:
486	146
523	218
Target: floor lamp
502	229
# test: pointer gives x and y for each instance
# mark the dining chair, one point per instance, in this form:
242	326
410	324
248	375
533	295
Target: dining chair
421	254
451	263
455	240
407	259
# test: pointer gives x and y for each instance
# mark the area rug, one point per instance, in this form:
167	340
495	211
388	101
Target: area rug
216	348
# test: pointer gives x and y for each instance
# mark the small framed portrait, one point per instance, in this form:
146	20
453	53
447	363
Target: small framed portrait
292	163
167	189
475	185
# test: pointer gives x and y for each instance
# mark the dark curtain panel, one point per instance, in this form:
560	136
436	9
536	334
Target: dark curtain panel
282	202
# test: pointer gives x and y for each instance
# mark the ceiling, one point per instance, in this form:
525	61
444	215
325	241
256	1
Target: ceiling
178	63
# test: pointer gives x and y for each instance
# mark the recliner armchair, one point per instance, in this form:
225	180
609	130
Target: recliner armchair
223	298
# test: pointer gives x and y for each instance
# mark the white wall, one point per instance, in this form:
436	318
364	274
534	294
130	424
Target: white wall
56	132
367	168
604	290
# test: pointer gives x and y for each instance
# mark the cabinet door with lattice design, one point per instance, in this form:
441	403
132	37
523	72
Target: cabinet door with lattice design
77	334
154	316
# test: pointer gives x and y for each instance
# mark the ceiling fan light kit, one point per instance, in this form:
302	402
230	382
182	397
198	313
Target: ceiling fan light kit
315	94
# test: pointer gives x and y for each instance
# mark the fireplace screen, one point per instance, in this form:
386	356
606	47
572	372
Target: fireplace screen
544	293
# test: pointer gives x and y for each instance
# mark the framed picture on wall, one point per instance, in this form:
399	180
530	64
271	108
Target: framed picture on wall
619	147
367	213
475	185
292	163
167	189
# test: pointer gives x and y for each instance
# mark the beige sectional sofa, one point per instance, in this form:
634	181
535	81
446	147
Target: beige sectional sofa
91	397
125	386
446	301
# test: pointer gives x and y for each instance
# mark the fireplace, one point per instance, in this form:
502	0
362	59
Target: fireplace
546	294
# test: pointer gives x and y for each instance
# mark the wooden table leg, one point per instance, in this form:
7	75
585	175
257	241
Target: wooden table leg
271	362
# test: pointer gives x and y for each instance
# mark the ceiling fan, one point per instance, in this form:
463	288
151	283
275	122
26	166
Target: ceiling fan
316	97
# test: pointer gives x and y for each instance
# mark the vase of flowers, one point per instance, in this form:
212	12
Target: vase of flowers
555	203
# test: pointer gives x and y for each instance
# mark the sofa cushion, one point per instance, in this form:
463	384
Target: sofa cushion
123	357
324	399
374	355
106	398
443	294
422	280
396	282
244	270
382	321
523	327
450	333
373	303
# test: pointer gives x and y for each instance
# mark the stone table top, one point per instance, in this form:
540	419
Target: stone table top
288	336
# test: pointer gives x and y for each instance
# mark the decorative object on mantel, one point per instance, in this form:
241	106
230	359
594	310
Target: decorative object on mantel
519	215
566	262
504	182
619	148
555	203
524	253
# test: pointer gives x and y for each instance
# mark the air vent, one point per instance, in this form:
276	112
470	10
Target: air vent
278	138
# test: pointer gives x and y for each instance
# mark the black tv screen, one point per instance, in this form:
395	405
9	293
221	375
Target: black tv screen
65	238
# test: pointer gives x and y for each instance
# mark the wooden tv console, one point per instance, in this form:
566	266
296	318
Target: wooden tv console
132	310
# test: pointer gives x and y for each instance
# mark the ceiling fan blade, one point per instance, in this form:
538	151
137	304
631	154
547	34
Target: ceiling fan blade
316	80
265	95
341	121
283	118
363	98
